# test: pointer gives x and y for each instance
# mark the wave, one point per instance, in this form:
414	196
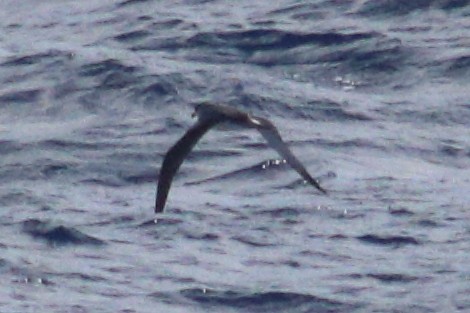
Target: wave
58	235
269	301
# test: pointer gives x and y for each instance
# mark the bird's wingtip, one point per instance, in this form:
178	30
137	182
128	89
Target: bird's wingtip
158	208
316	184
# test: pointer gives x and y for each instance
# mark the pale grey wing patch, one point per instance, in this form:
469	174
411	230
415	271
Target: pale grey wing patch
274	139
175	157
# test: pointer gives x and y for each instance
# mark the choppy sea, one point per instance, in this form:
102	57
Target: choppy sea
373	96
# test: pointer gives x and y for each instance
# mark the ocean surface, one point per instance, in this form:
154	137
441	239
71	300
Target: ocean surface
373	97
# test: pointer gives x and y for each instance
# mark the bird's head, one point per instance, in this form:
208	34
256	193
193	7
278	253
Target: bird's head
205	110
197	107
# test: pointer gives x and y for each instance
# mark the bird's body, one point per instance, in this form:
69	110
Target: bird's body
212	115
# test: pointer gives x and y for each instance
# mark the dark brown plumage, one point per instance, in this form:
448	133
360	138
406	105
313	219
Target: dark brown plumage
210	115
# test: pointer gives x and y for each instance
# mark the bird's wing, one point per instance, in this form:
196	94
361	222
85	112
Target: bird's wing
274	139
174	157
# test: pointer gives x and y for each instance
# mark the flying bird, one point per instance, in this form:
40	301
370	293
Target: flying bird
210	115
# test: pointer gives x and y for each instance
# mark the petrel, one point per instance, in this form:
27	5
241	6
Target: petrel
210	115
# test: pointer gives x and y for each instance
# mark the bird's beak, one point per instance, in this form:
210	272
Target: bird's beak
193	115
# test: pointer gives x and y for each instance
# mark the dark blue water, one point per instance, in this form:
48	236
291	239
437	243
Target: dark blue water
373	96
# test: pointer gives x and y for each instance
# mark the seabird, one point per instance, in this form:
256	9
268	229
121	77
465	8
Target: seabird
210	115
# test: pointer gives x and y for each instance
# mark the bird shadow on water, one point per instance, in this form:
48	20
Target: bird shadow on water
257	169
240	173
